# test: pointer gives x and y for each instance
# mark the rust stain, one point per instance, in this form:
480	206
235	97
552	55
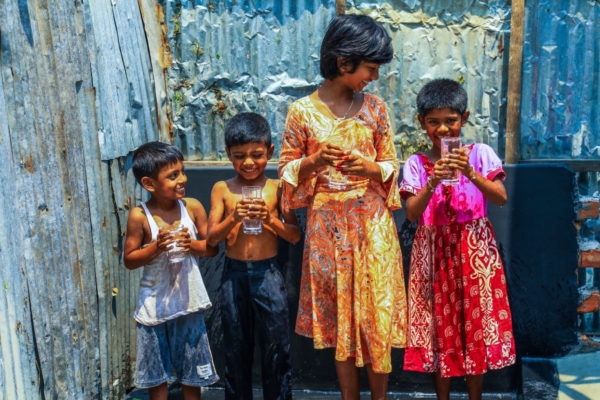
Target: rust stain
500	46
104	221
127	204
164	55
29	164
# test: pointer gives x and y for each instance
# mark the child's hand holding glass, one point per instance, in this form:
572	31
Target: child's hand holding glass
459	160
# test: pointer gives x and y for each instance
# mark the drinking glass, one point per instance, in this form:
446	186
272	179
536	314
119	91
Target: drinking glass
337	180
251	226
175	254
448	145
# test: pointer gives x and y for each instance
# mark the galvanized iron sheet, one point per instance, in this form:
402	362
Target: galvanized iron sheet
66	303
561	80
230	57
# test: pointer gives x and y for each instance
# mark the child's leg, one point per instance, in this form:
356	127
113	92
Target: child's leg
238	330
160	392
270	307
190	392
442	386
190	353
348	376
377	382
475	386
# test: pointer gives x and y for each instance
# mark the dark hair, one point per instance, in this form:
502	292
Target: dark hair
357	38
442	93
151	157
247	128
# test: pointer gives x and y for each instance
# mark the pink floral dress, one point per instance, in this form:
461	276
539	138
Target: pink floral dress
459	315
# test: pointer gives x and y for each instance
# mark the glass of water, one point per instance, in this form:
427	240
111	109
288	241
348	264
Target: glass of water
175	254
337	180
251	226
449	144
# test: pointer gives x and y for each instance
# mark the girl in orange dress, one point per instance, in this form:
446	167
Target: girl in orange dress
352	293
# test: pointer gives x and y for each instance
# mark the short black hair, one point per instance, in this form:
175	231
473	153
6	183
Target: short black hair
151	157
247	128
442	93
357	38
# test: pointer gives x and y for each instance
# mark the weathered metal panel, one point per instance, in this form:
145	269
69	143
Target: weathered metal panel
561	80
259	56
123	77
65	333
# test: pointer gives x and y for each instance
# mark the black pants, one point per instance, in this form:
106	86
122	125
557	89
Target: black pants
253	293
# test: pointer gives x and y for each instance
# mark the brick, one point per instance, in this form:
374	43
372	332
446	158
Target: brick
588	209
589	258
590	305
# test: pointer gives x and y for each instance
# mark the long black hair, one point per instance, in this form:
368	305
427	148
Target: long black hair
356	38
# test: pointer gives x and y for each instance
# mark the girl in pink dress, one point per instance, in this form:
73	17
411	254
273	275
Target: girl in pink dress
459	316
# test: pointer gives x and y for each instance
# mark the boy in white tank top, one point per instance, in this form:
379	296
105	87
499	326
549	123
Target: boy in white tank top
170	323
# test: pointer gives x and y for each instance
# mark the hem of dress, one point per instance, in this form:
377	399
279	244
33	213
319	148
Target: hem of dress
334	345
202	307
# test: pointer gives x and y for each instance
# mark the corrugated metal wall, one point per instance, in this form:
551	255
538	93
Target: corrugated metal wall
79	91
233	56
561	80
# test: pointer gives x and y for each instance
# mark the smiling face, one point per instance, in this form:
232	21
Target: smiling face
365	73
169	184
443	122
250	159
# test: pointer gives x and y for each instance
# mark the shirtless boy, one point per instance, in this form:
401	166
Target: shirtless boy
252	289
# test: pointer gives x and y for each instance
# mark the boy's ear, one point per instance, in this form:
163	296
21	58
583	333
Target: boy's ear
270	152
228	154
148	184
465	118
421	121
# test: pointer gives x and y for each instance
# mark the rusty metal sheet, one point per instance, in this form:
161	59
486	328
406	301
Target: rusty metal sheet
260	56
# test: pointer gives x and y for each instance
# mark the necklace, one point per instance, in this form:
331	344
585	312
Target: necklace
329	111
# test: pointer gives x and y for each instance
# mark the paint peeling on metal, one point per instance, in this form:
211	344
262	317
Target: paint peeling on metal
262	55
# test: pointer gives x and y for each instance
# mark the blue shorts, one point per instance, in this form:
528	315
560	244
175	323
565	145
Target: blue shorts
181	343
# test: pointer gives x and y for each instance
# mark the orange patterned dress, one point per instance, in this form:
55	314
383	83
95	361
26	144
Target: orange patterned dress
352	294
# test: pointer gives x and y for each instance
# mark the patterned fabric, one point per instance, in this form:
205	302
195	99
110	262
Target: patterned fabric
367	133
467	202
352	293
459	314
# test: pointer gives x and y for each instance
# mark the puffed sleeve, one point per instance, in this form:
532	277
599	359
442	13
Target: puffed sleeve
294	194
411	177
387	159
486	162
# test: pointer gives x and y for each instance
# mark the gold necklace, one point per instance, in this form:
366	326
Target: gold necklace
329	111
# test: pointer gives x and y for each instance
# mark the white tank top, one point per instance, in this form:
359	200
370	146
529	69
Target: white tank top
168	291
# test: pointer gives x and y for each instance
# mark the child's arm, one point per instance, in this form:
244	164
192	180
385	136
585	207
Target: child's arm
199	247
288	229
133	255
416	204
493	190
219	227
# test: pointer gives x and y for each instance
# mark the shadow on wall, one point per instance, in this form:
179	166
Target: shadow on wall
538	244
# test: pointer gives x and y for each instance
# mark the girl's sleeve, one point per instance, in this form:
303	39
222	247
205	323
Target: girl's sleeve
294	194
487	163
387	159
411	182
